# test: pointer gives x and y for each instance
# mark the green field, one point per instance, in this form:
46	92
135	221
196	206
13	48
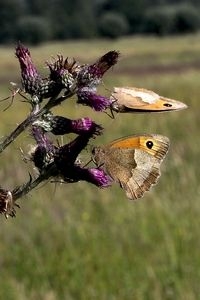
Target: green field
80	242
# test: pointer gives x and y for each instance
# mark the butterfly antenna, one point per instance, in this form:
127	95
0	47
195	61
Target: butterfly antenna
111	114
12	96
22	95
91	160
107	89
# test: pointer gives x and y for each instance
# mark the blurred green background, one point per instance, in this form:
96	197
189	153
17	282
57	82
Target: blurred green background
36	21
76	241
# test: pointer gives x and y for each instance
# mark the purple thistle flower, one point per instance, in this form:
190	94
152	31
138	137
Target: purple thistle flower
92	175
64	72
86	125
41	138
88	79
89	98
39	157
96	176
26	64
63	64
104	63
61	125
55	68
44	152
66	155
90	76
31	79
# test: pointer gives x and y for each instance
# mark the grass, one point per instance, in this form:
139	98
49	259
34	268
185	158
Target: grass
78	242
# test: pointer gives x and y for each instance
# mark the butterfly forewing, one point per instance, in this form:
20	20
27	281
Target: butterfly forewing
130	99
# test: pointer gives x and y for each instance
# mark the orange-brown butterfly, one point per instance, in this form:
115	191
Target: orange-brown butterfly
133	161
131	99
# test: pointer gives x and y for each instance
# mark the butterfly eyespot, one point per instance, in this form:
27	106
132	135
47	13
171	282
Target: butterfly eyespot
167	104
149	144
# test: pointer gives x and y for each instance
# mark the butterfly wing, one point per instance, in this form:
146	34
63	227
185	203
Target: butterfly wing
146	174
134	162
132	99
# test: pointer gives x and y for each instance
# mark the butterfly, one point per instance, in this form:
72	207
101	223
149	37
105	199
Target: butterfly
131	99
133	161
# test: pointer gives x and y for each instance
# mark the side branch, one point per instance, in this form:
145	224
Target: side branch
24	189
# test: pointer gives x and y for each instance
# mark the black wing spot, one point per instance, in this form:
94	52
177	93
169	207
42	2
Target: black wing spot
167	104
149	144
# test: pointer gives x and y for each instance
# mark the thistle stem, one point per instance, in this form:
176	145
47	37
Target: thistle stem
34	115
24	189
20	128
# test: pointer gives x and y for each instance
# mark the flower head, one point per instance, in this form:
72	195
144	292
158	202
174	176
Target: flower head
90	76
32	82
41	138
89	98
88	79
64	73
66	155
62	125
105	62
85	126
97	177
44	152
92	175
26	63
31	79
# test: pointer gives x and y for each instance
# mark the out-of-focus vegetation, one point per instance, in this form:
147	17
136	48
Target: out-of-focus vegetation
78	242
35	21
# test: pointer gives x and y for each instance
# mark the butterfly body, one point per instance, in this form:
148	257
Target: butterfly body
133	162
130	99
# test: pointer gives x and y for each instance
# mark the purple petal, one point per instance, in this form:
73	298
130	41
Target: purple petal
27	66
64	72
44	152
90	76
97	102
85	125
98	177
41	138
59	125
104	63
77	173
67	154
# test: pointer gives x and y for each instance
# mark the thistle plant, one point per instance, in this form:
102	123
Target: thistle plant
133	162
66	78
